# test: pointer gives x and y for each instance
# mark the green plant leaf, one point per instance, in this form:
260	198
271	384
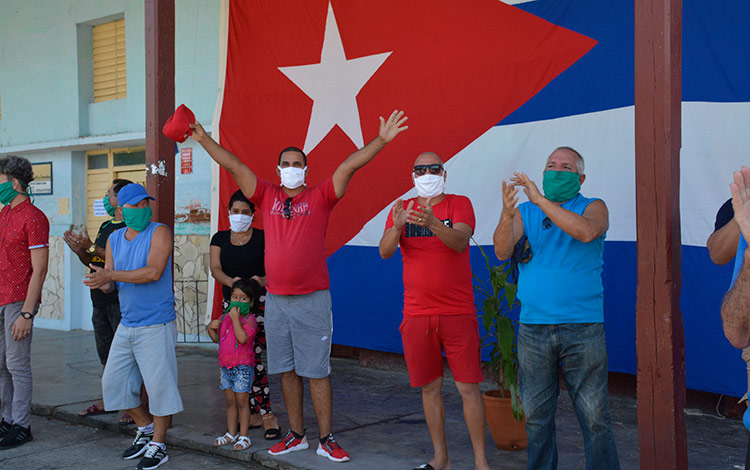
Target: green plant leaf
510	293
515	403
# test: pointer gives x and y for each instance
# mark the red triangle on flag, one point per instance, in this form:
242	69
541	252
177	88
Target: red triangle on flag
457	68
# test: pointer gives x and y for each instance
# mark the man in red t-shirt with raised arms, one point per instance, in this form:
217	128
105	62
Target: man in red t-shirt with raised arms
434	230
298	305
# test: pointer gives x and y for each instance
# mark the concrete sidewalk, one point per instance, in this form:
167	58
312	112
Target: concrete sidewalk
378	417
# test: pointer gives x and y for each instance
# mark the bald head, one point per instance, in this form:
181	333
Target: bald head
428	158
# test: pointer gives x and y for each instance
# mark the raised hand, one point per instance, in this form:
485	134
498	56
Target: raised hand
510	200
399	214
214	324
199	133
529	187
393	126
741	200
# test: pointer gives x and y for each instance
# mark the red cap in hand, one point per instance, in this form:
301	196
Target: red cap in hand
177	126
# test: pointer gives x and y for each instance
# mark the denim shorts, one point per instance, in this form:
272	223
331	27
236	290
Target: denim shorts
238	378
142	355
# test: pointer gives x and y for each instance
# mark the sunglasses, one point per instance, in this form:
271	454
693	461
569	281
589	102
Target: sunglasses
435	169
287	210
546	223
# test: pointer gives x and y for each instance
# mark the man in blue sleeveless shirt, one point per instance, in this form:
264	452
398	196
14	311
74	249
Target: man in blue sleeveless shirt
138	262
735	311
562	315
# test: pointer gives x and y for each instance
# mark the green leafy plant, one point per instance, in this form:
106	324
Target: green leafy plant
499	299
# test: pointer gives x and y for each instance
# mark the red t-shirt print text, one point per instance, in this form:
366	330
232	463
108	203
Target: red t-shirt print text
296	210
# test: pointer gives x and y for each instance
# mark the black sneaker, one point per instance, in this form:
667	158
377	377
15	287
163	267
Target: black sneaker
154	457
17	436
4	428
139	445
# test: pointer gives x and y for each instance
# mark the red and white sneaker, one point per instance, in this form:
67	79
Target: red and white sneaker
332	450
288	444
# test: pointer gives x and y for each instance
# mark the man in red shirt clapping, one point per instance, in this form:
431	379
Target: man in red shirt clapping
433	231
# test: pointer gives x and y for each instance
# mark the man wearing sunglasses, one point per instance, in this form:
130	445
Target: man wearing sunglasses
433	231
298	305
562	312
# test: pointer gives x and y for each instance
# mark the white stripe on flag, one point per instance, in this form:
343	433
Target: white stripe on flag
715	143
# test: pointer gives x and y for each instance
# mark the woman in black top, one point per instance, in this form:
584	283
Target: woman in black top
239	253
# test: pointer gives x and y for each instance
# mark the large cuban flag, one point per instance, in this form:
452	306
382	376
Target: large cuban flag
492	87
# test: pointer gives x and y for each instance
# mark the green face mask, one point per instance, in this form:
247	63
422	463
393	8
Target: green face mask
137	218
7	193
243	307
108	207
559	186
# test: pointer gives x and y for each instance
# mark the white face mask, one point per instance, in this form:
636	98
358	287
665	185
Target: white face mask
292	177
429	185
240	222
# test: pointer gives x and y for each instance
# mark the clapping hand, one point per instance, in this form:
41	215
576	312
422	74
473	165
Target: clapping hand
741	200
400	215
510	200
99	277
529	187
423	216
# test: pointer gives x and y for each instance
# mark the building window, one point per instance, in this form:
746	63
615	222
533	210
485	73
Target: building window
110	74
103	166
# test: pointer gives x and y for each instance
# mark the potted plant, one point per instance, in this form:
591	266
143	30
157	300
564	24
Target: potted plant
503	407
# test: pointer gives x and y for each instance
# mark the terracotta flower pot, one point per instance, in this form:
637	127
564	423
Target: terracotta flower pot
507	432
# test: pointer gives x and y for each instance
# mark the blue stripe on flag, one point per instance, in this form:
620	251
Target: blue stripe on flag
368	303
716	56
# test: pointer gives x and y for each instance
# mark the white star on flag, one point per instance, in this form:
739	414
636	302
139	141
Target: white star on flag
333	85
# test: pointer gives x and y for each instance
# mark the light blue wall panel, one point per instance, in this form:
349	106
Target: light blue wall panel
39	67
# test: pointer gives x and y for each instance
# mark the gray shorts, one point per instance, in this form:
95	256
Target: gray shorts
298	333
142	355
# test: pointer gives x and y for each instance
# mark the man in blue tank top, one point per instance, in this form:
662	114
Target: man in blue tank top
562	315
735	310
138	261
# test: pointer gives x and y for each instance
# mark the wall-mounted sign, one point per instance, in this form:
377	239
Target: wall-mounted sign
99	210
42	184
186	159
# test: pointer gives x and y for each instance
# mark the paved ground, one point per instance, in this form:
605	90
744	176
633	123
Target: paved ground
378	418
60	445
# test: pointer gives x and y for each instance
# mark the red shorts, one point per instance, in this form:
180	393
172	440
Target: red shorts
425	338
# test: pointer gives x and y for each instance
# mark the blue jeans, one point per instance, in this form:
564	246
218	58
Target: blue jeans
581	350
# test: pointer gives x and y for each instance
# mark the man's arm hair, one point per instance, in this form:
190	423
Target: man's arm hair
389	242
245	178
507	233
354	162
158	256
735	310
456	238
585	228
722	244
